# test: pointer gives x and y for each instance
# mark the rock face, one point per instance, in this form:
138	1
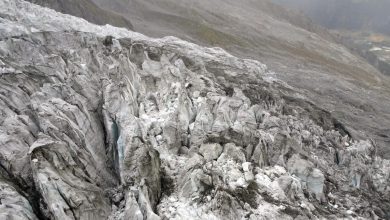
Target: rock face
110	124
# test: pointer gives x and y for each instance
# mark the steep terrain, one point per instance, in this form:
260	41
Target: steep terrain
374	47
105	123
86	9
299	52
358	15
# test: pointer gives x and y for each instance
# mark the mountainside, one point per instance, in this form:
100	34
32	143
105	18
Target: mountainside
300	53
372	46
369	15
86	9
105	123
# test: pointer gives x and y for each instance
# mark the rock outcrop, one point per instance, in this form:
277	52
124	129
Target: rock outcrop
104	123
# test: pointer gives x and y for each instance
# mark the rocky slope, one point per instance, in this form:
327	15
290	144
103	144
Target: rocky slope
372	46
104	123
86	9
299	52
357	15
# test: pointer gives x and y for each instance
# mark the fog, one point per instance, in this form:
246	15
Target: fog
366	15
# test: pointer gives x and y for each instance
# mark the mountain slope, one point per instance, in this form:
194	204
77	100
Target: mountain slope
98	122
366	15
300	53
86	9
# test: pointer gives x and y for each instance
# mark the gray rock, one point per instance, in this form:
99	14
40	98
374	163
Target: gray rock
210	151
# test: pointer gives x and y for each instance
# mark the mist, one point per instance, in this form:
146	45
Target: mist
357	15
